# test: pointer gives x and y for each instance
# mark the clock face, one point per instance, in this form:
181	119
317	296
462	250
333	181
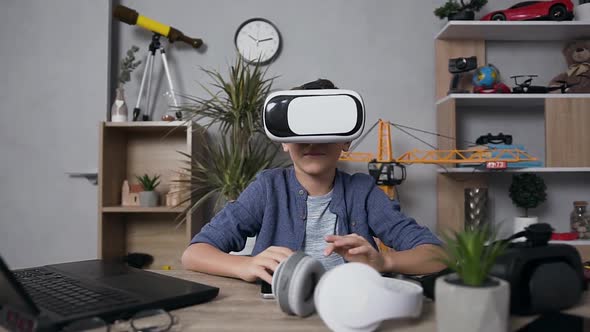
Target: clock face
258	40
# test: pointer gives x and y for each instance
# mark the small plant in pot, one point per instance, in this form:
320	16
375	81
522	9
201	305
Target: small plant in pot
470	299
527	191
149	196
453	10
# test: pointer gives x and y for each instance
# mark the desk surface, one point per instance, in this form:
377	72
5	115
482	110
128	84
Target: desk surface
239	307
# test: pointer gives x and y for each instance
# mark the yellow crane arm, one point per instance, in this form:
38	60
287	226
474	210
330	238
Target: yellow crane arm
463	156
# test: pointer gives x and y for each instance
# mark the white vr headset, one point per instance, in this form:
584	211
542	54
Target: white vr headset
351	297
313	116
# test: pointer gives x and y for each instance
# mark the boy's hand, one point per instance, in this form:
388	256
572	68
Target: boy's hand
355	248
260	265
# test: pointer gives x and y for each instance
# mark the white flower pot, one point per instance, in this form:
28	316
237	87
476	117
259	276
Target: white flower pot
148	198
520	223
462	308
582	12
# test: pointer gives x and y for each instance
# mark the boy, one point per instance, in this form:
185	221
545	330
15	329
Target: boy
312	206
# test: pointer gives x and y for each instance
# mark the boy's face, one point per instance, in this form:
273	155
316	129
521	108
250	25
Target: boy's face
315	159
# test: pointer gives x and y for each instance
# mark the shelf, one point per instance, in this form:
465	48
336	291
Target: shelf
573	243
511	30
140	209
148	126
467	170
145	124
507	100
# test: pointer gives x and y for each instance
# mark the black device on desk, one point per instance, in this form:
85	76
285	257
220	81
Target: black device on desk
543	277
558	322
55	295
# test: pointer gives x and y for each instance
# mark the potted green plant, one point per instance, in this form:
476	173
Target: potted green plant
149	197
527	191
453	10
128	64
228	166
470	299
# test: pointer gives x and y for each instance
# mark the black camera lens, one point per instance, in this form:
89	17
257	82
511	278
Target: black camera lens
461	63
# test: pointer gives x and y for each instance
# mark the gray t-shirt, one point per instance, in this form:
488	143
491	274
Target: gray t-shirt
320	222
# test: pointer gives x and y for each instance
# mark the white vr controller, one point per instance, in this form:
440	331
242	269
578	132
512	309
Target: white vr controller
313	116
351	297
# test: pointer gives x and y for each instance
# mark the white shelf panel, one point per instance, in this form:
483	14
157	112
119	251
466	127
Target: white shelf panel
146	124
513	30
467	170
507	99
573	242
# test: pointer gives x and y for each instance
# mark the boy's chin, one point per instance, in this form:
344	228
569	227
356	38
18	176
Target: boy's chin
317	169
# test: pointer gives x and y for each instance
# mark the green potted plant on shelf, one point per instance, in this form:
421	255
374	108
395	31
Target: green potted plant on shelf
228	166
470	297
527	191
453	10
149	196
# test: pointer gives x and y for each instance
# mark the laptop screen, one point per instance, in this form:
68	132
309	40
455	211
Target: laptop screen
12	294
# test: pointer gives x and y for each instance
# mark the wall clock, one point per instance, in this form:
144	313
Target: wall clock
258	41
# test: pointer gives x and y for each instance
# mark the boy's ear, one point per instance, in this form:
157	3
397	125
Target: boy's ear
285	147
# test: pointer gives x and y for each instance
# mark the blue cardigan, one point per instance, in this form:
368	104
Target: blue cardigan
273	207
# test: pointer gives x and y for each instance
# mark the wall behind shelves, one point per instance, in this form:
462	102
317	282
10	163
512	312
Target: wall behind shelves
54	65
562	190
56	85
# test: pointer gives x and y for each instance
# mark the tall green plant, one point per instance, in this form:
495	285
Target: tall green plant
472	253
234	105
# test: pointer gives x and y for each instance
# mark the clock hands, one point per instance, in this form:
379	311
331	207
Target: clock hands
265	39
254	39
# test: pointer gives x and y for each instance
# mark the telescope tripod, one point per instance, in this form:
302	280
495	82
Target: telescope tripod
154	46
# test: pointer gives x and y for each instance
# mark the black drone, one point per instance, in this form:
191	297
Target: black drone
527	87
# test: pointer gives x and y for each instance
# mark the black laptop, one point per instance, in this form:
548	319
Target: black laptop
55	295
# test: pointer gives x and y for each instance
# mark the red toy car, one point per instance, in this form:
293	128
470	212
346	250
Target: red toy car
554	10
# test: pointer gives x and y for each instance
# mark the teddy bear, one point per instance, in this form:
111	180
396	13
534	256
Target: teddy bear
577	77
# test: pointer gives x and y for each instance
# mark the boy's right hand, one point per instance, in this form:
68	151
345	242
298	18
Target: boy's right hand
260	265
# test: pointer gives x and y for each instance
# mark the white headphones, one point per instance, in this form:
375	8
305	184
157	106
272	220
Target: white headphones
350	297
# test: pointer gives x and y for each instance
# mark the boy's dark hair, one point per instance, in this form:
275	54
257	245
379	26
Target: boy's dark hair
318	84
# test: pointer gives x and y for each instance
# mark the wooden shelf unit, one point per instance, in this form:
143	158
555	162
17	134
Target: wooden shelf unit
128	149
566	117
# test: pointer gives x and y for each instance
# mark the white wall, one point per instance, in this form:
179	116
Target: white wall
54	65
57	72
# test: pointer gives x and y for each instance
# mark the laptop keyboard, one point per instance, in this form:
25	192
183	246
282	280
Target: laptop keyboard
66	296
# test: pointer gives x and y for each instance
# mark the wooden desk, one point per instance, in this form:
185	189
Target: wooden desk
239	307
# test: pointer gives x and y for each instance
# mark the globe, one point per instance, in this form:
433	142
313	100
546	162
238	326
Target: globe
485	76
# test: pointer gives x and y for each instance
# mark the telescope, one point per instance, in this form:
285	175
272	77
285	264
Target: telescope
132	17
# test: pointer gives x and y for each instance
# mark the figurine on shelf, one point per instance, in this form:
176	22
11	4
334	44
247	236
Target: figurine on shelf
179	190
130	194
577	76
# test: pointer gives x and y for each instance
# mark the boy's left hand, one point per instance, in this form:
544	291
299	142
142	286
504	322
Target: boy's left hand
355	248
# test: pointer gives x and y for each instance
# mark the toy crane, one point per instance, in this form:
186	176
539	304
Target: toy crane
382	167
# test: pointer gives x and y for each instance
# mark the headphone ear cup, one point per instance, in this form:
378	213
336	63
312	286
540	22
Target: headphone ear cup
293	284
305	277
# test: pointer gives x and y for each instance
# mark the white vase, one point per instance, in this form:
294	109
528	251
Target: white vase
119	107
520	223
462	308
582	12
